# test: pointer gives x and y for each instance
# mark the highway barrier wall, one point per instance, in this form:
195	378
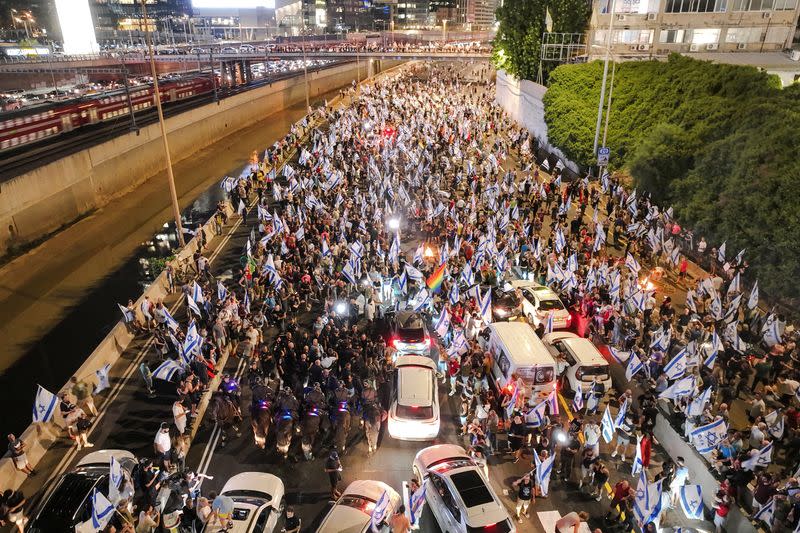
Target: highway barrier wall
39	202
522	100
39	437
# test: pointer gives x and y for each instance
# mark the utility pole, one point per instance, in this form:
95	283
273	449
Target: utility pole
305	68
176	210
605	77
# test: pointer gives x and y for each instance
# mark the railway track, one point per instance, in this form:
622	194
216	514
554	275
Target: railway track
30	157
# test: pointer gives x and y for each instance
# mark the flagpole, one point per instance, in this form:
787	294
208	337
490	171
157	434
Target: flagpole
176	210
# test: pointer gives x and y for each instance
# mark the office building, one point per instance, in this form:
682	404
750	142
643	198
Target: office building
643	28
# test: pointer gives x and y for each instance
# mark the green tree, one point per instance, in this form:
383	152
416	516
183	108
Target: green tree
717	142
518	43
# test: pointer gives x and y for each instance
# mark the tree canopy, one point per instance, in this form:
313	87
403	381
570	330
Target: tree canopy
517	45
717	142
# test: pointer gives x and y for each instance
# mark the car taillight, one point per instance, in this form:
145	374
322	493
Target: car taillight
569	319
395	342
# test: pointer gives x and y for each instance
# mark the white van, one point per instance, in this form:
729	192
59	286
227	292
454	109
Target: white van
584	361
516	349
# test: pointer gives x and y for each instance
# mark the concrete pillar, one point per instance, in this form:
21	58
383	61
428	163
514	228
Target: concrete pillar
248	72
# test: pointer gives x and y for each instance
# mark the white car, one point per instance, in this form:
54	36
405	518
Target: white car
258	501
458	493
414	414
538	301
584	361
352	512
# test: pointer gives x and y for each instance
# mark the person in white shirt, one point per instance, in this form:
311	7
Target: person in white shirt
179	416
163	445
591	432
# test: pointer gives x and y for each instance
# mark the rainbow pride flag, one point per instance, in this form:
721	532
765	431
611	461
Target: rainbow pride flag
435	280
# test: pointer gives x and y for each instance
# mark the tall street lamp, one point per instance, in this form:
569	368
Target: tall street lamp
176	210
605	77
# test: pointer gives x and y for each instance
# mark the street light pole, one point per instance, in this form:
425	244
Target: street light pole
176	210
605	77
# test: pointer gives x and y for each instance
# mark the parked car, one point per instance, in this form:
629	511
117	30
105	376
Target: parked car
228	50
352	512
258	502
69	503
458	493
584	361
538	301
414	413
409	334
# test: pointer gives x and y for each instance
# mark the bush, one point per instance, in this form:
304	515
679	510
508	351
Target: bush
718	142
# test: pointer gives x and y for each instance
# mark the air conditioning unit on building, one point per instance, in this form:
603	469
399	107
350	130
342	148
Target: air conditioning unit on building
694	47
766	14
741	46
651	16
712	46
644	47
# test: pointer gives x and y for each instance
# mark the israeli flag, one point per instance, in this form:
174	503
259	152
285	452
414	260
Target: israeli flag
191	344
683	387
560	241
246	302
676	368
762	458
577	401
721	253
607	426
170	320
454	296
197	293
443	323
771	331
706	438
619	357
379	512
414	274
634	366
698	405
690	302
349	274
752	301
102	378
102	511
114	480
661	342
767	513
222	292
536	417
647	503
572	263
421	300
623	411
486	306
632	264
545	164
358	249
691	497
128	316
713	350
44	405
775	424
418	259
167	370
674	256
548	325
512	402
592	402
402	283
416	504
192	305
735	285
543	471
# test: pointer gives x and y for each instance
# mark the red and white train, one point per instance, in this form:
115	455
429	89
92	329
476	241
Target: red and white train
28	126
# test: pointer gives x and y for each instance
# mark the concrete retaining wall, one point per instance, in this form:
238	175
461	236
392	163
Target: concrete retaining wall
522	100
39	202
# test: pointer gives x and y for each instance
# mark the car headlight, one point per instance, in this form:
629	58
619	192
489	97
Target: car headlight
500	311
